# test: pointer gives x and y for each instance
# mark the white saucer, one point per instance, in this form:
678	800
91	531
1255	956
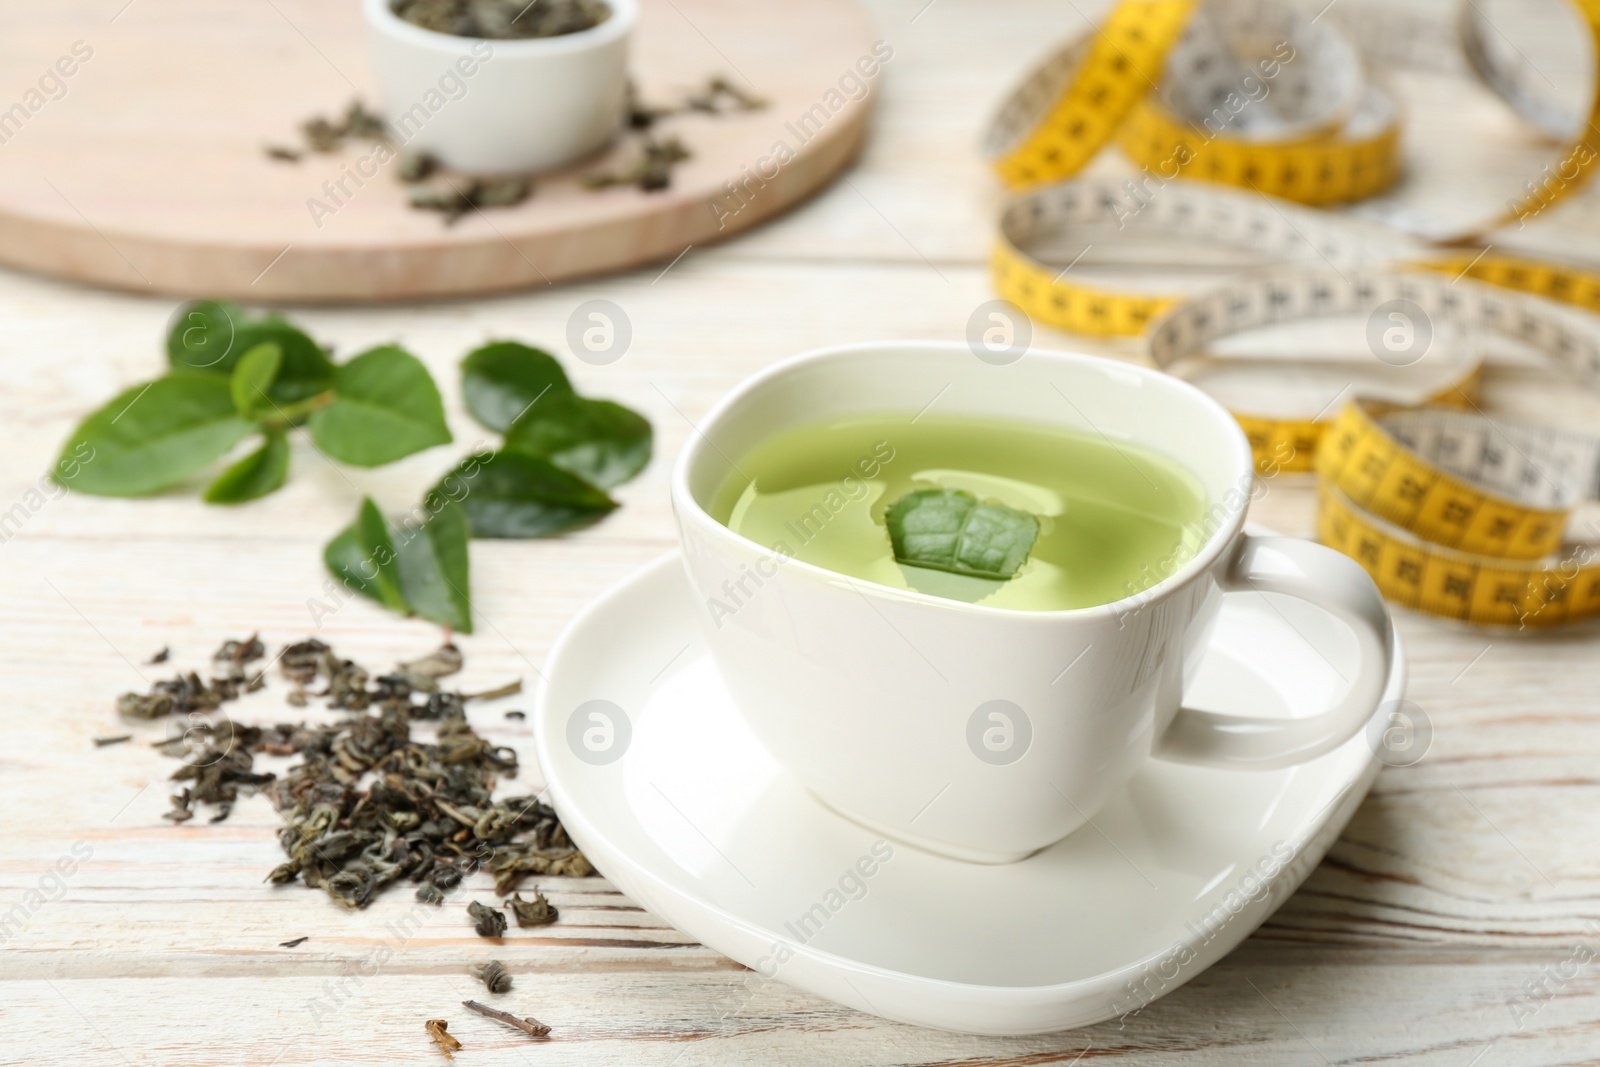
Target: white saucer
695	822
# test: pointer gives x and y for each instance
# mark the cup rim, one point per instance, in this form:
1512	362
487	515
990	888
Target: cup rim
689	509
623	15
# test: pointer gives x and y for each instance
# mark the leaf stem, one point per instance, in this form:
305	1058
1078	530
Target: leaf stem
287	416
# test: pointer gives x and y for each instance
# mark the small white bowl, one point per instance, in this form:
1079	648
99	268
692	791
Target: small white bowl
501	107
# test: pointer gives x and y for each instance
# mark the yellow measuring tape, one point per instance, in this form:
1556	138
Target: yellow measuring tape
1255	94
1065	111
1452	513
1484	547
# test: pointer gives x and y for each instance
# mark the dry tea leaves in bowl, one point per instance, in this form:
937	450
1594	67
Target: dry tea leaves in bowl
503	20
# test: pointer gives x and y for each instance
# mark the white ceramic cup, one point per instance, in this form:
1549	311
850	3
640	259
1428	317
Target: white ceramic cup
501	107
985	733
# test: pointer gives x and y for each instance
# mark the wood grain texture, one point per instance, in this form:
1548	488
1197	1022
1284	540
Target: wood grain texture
148	171
1437	932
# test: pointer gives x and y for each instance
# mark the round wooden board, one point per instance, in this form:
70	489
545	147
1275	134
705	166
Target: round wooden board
148	171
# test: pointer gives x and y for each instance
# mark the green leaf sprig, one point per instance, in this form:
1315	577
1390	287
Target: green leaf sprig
233	374
560	454
952	530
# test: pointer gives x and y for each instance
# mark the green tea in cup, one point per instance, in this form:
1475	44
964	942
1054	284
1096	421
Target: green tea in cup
1006	514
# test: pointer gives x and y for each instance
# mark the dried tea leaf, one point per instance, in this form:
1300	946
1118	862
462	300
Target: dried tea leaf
439	1030
424	672
494	976
487	921
653	171
536	912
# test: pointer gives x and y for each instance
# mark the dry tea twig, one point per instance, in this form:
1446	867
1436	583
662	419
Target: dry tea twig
530	1026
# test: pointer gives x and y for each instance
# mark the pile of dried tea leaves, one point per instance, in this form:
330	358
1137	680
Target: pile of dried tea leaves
503	20
369	804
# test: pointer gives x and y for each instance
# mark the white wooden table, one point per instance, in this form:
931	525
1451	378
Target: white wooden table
1454	923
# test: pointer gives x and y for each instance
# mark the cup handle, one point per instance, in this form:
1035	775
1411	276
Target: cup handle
1332	581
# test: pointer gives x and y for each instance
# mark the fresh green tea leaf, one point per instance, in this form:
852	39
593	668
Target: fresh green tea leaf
515	494
501	380
363	557
204	335
154	435
387	408
252	376
950	530
601	442
433	565
261	472
213	335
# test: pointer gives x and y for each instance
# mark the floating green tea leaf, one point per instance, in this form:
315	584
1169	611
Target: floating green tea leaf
387	408
602	442
154	435
433	566
951	530
363	557
501	380
252	376
516	494
213	335
261	472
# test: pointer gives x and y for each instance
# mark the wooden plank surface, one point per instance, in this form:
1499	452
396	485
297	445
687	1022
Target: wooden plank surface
1453	924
